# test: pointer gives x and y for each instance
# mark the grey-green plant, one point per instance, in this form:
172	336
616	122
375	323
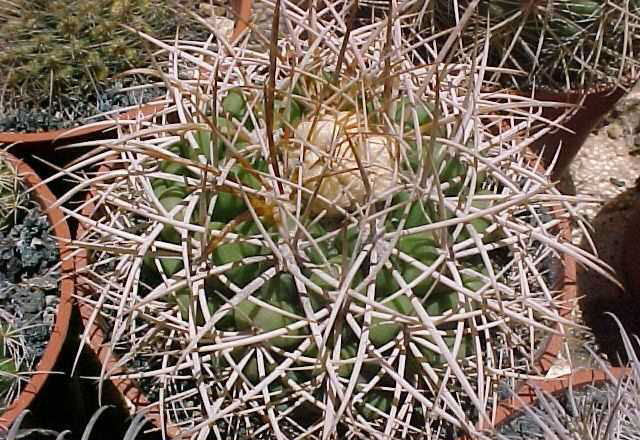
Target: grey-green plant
59	59
609	410
330	242
551	44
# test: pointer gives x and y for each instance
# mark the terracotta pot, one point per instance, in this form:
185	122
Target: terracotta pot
616	234
47	139
590	108
46	199
526	396
132	396
564	272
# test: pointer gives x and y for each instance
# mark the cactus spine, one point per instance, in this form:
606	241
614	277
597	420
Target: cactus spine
331	243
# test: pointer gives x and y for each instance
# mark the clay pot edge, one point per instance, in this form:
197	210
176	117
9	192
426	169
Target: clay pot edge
61	232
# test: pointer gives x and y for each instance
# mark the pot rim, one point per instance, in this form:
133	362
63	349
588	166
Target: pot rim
526	395
60	230
9	137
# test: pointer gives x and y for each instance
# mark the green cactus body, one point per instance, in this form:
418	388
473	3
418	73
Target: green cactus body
8	376
281	293
583	42
11	194
276	304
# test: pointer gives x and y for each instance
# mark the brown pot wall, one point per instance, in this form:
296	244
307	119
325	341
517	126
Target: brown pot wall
565	272
46	199
47	139
591	108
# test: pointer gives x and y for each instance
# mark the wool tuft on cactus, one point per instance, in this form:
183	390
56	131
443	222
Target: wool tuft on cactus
330	242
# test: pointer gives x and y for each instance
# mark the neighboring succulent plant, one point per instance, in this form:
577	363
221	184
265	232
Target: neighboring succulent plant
12	354
57	57
557	44
604	411
342	244
11	194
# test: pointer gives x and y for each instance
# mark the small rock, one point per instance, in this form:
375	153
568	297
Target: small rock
615	131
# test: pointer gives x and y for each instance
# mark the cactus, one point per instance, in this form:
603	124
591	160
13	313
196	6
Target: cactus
12	196
555	44
12	361
58	58
330	246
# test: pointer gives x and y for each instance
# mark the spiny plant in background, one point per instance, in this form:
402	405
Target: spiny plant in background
11	343
604	411
332	241
553	44
58	58
12	358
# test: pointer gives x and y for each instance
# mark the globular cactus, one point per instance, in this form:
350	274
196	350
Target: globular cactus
13	359
330	243
554	44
